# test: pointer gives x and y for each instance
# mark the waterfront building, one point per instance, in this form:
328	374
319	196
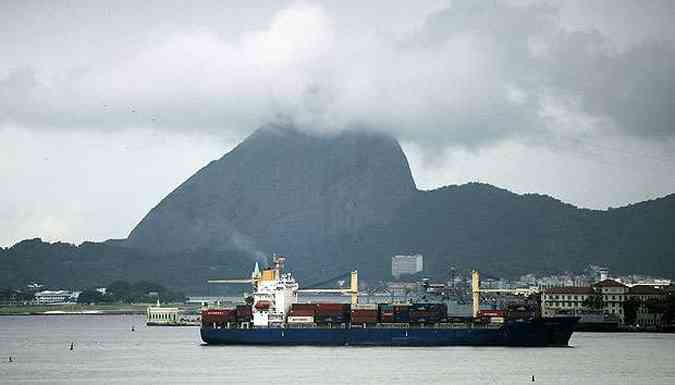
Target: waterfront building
568	300
614	294
156	315
646	317
406	264
56	297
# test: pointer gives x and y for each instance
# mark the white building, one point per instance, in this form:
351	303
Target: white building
406	264
163	316
54	297
569	300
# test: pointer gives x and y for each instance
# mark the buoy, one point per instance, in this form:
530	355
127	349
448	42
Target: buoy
532	378
10	359
132	329
72	346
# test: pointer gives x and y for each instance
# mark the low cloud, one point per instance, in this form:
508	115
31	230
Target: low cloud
470	75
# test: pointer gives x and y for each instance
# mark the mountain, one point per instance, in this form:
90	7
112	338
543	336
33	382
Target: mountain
280	190
502	233
334	203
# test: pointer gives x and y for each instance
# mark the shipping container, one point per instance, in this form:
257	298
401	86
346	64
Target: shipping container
302	312
300	319
303	306
332	307
330	318
360	316
491	313
218	317
364	306
244	313
401	313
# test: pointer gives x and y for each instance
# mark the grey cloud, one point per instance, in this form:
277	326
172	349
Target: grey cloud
470	75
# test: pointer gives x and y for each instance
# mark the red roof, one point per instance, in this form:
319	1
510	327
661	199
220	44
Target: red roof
569	290
609	283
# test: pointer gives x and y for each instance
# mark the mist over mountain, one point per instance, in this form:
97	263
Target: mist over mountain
279	190
346	201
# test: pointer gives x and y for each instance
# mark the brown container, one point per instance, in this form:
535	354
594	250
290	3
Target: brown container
303	306
244	310
218	316
330	306
364	313
364	316
491	313
302	312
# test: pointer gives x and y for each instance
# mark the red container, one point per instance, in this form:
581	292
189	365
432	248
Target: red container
218	316
302	312
364	316
332	307
387	317
303	306
244	312
491	313
365	313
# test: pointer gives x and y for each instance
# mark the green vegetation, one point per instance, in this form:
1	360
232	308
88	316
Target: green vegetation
124	292
594	302
630	309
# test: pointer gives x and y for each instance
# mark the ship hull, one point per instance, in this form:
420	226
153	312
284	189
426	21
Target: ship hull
537	332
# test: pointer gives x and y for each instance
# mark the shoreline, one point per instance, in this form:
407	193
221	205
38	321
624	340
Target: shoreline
74	309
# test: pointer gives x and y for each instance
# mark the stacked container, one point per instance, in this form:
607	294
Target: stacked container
333	313
303	310
244	313
428	313
296	319
364	314
218	317
401	313
386	313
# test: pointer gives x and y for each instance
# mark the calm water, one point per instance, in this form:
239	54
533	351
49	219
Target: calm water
107	352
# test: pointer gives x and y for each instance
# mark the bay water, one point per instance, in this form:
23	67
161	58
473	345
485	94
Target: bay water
107	351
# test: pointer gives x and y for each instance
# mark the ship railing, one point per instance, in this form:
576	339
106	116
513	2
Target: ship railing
393	325
301	325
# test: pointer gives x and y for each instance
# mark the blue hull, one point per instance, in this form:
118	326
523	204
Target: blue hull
537	332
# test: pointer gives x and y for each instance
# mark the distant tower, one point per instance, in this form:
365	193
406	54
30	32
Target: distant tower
604	273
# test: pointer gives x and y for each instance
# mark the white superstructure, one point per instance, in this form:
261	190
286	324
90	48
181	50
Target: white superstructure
274	294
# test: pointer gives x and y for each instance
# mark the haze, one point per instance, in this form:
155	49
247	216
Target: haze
105	108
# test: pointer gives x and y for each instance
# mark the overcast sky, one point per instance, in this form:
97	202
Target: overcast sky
105	107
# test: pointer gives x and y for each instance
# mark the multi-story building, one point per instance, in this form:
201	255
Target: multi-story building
570	299
52	297
406	264
645	317
614	294
567	300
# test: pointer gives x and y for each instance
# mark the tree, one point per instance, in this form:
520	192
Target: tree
630	309
594	301
90	296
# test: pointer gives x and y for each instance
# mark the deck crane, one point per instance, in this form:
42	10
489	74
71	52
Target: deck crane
353	289
275	272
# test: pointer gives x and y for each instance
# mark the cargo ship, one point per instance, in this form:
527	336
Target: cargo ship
273	316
